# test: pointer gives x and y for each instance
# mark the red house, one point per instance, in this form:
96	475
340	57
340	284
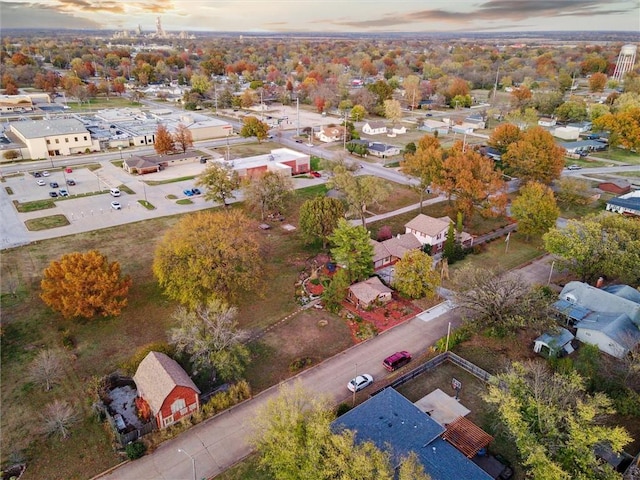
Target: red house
167	389
617	187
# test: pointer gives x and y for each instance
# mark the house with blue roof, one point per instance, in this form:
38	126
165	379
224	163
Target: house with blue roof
606	317
396	425
628	204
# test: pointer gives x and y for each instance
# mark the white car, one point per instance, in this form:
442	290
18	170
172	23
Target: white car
41	182
574	167
116	205
360	382
45	174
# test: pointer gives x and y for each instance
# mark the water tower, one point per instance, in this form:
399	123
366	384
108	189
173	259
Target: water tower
626	61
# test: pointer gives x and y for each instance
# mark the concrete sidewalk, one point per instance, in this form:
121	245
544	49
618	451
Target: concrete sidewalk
225	439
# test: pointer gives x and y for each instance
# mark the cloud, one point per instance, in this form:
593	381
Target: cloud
504	11
40	15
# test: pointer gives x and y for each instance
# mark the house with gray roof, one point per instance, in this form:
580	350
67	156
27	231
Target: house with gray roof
364	294
606	317
433	231
396	425
393	249
628	204
166	388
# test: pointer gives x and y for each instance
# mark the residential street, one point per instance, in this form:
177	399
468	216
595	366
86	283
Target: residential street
223	440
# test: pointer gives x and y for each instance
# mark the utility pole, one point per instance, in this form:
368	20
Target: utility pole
298	115
344	133
495	86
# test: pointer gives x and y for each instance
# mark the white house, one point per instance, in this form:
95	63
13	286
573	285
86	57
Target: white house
433	231
547	122
399	130
567	133
606	317
435	126
383	150
374	128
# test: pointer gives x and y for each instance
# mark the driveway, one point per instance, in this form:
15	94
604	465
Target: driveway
225	439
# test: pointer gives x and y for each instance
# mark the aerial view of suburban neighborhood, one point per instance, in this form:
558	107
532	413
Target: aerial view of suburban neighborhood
341	240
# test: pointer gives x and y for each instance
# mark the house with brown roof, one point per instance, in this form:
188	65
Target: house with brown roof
166	388
374	128
330	134
393	249
363	294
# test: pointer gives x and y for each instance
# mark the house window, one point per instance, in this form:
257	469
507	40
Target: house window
48	142
66	140
75	139
167	421
57	140
85	138
178	405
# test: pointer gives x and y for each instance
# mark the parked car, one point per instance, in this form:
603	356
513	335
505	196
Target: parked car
53	194
396	361
53	184
196	191
116	205
360	382
316	174
188	192
41	182
45	174
574	167
71	182
37	174
63	192
115	192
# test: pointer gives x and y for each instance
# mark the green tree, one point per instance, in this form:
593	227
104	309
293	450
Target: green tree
200	84
294	441
357	113
353	250
425	164
83	285
572	191
268	193
163	143
572	111
415	276
319	216
535	157
209	335
359	191
452	250
252	127
382	90
523	120
554	423
535	209
209	254
412	469
596	246
220	181
336	291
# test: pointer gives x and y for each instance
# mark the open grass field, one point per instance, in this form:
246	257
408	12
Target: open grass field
619	154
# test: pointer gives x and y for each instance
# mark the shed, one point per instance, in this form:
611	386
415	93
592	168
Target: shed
167	389
554	344
617	187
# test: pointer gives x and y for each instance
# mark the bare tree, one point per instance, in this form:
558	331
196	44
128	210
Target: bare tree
47	368
58	417
501	302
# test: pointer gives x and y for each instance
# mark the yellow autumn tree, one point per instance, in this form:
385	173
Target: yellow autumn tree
85	285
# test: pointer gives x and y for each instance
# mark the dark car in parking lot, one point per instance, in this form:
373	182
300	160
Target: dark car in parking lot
196	191
71	182
53	184
188	192
37	174
53	194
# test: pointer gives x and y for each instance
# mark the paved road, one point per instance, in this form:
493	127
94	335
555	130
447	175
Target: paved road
221	441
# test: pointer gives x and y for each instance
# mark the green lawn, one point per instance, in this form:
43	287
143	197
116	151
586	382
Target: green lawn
619	154
44	223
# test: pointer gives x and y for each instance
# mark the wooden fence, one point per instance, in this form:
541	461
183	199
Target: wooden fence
434	363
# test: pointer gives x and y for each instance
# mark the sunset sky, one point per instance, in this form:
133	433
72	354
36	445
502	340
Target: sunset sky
325	15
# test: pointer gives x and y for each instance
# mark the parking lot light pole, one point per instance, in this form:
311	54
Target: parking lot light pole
120	148
193	462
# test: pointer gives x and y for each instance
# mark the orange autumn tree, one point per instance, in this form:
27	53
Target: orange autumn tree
535	157
470	178
504	135
85	285
164	142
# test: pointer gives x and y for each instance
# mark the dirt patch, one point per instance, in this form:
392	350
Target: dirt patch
313	334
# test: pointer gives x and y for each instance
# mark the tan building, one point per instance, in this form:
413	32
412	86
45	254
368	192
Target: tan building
50	138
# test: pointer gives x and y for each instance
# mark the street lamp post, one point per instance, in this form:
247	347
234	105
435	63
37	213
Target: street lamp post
120	148
193	462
